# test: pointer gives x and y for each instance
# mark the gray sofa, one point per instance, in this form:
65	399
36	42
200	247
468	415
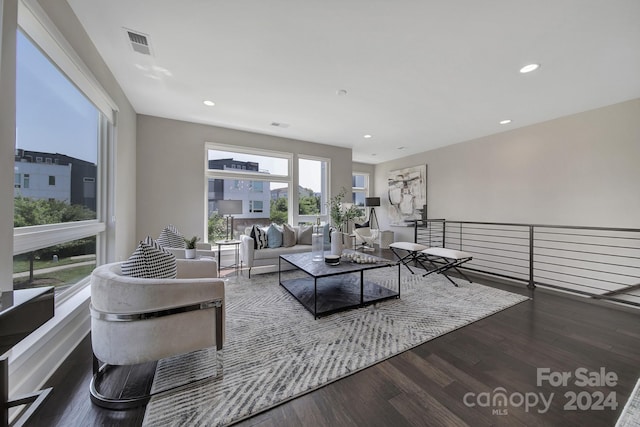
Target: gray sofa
265	260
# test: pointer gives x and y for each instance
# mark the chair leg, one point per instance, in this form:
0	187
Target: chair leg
411	256
449	264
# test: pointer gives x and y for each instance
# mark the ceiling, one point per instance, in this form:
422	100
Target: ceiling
417	74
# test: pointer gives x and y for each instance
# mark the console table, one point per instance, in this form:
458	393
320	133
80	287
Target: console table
21	312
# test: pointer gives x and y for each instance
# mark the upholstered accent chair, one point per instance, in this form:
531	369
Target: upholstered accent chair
366	238
138	320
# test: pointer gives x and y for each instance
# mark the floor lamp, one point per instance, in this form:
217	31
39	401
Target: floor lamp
372	202
228	208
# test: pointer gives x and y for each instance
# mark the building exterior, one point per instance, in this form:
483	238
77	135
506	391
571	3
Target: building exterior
41	175
255	194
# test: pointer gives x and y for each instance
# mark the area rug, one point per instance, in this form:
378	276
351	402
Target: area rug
275	350
630	416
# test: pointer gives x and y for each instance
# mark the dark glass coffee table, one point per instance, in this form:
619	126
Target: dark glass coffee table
327	289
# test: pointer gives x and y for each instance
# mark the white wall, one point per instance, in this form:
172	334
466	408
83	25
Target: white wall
582	169
170	170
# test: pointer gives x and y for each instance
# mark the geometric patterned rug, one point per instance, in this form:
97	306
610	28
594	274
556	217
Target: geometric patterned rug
275	350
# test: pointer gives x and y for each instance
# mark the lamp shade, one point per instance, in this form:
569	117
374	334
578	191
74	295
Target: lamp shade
229	207
372	201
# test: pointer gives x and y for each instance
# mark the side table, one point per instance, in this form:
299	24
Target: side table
236	246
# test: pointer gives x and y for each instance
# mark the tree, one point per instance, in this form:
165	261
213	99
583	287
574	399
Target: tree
279	211
216	227
28	211
309	205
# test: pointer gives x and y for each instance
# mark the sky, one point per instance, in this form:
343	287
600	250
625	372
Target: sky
52	115
309	173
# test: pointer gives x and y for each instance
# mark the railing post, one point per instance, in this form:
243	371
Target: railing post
532	283
415	232
444	233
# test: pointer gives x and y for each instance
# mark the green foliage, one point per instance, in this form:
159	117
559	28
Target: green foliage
339	215
29	211
216	227
191	242
309	205
279	211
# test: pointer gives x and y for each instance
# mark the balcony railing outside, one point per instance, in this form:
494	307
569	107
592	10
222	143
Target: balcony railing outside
599	262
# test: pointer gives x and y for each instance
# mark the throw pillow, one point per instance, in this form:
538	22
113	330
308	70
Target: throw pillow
170	237
304	237
274	236
288	236
326	231
149	261
259	236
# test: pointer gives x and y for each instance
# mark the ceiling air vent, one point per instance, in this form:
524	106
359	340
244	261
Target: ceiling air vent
139	42
280	125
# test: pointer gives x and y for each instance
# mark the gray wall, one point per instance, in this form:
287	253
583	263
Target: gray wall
171	165
582	169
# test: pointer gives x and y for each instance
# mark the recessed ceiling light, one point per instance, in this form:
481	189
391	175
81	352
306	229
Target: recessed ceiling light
209	103
341	92
373	154
400	148
366	136
505	122
529	68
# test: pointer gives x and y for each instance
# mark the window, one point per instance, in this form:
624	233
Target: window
255	206
54	192
257	186
259	178
17	180
359	188
312	188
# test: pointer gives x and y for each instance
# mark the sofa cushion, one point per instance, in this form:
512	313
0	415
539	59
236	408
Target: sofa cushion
274	236
274	253
288	236
326	232
170	237
304	235
259	236
150	261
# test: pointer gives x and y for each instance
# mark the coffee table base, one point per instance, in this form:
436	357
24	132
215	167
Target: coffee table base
336	293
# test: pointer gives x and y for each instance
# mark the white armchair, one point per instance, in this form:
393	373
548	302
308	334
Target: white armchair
366	238
136	320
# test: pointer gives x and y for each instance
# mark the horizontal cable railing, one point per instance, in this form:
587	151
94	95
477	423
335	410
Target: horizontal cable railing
599	262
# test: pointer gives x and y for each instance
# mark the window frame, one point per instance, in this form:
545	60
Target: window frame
37	27
325	190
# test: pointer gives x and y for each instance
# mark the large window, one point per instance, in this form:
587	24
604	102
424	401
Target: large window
259	179
312	189
59	136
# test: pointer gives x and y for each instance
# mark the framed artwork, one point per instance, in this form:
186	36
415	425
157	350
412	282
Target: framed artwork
407	195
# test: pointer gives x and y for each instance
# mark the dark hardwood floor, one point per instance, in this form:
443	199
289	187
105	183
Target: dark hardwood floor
437	382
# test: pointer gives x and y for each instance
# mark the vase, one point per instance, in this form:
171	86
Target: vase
317	243
336	243
190	253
